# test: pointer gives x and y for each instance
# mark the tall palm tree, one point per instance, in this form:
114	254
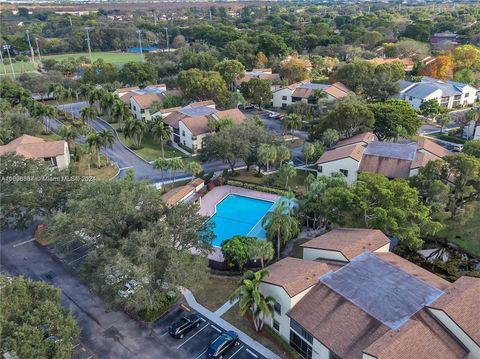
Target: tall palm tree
95	141
194	168
161	132
69	134
262	249
135	129
162	165
267	154
292	122
281	225
88	114
68	95
175	165
58	92
251	299
120	112
108	139
106	104
95	97
86	90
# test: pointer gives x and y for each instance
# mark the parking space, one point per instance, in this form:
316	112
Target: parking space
194	344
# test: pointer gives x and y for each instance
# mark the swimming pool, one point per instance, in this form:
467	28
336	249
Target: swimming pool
239	215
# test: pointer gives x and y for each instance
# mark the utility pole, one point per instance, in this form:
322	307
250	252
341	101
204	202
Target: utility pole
70	19
166	35
3	63
7	47
31	48
38	50
210	13
87	29
140	43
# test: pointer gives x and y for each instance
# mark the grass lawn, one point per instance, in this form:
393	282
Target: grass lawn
447	137
293	183
105	172
465	231
151	149
117	58
214	291
19	67
50	137
234	317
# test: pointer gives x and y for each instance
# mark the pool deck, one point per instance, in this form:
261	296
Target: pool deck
212	198
216	195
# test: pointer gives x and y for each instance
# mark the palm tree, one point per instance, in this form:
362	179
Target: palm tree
251	299
308	151
161	164
267	154
262	249
69	134
86	90
88	114
95	97
282	154
108	139
58	92
161	133
95	141
280	225
194	168
443	120
174	165
69	94
120	112
292	122
135	129
106	104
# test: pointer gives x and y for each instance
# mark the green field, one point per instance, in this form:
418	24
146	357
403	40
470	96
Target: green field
117	58
19	68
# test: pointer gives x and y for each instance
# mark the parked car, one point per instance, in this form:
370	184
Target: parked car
279	117
222	344
272	114
128	288
184	325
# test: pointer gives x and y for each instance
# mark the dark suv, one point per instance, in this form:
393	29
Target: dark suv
184	325
222	344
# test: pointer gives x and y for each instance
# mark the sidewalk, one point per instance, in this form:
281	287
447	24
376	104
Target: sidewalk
215	318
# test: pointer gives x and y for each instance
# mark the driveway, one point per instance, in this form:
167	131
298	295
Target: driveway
106	333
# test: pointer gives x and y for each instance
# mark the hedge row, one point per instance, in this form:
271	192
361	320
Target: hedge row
260	188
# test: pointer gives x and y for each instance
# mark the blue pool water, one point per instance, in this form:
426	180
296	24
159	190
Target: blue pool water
238	215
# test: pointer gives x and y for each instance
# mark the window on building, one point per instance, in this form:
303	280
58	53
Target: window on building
410	98
344	172
276	325
284	98
300	345
299	329
194	138
142	111
467	94
444	101
284	105
320	169
183	133
278	308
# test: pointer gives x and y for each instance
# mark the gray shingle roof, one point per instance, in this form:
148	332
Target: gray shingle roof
392	150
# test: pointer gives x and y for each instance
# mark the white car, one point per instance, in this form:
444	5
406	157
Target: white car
272	114
128	288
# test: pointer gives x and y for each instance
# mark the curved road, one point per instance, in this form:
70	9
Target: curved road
127	159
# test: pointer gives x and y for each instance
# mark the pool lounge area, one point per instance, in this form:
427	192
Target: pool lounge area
236	211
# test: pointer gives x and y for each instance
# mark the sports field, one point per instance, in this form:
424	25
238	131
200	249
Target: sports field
117	58
19	67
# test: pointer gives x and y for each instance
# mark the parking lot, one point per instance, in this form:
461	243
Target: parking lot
194	344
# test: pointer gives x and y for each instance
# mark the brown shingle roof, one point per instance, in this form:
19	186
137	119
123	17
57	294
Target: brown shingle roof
34	147
302	92
295	275
354	152
349	241
422	337
175	195
407	62
387	166
146	100
412	269
421	159
337	323
432	147
197	124
174	118
460	302
362	138
235	114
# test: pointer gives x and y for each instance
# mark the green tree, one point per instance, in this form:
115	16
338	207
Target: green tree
262	249
95	141
250	299
257	91
237	250
292	122
472	148
202	85
286	173
465	76
88	114
162	165
230	70
393	113
135	129
107	104
175	164
108	140
377	202
34	323
443	120
69	134
308	151
356	75
330	136
138	73
267	155
160	132
430	108
281	225
283	154
194	168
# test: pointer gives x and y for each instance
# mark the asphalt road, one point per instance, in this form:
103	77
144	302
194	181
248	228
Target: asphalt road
106	333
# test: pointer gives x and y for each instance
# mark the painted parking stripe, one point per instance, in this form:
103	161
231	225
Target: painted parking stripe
252	353
199	355
236	352
193	336
24	242
214	327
